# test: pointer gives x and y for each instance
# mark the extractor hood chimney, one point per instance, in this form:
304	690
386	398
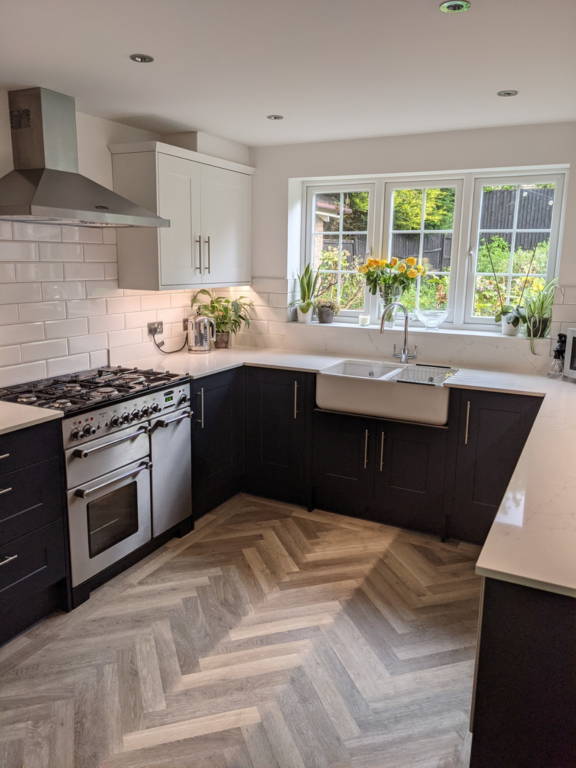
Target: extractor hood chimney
45	186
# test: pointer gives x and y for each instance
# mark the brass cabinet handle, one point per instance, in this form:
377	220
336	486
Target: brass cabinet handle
366	449
467	423
207	241
295	399
8	559
199	241
382	451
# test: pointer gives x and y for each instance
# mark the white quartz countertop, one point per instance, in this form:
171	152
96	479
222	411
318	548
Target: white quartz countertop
533	539
14	416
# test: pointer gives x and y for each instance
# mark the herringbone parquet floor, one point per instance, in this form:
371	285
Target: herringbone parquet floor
267	638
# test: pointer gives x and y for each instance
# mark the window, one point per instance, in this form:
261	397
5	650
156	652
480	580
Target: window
484	240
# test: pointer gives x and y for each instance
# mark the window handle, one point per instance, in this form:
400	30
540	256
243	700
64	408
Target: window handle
470	259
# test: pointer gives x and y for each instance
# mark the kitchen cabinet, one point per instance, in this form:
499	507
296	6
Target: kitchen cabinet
217	448
390	472
209	204
278	408
493	428
34	562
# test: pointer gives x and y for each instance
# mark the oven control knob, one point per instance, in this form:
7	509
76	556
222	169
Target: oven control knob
145	411
135	415
115	421
125	418
183	399
88	430
155	408
75	434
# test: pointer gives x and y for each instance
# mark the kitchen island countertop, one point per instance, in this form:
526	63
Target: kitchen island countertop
14	416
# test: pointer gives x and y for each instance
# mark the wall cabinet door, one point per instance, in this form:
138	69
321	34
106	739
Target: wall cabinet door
344	461
217	461
226	225
409	477
493	430
179	183
278	407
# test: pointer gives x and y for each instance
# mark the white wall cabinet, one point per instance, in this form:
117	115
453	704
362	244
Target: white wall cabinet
209	204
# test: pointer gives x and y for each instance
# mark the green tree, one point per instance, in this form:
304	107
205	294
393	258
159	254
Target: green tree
438	208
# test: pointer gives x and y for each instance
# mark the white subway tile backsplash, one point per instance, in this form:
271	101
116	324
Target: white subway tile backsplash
20	334
277	300
564	313
111	271
90	343
10	251
37	232
269	313
124	338
109	236
5	230
133	352
126	304
278	329
156	301
42	350
99	359
37	272
81	235
61	252
20	293
70	364
10	355
103	288
8	314
43	310
140	319
99	253
83	271
7	273
106	323
86	307
51	291
20	374
173	315
569	292
181	299
62	329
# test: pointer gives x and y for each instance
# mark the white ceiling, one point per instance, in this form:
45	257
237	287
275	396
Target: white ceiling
335	68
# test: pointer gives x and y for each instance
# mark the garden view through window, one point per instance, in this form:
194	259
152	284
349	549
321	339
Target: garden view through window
513	244
423	228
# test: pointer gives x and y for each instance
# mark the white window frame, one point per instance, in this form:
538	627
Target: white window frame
346	315
466	221
472	260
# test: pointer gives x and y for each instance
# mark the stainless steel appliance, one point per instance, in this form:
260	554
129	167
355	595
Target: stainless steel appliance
570	354
199	336
127	444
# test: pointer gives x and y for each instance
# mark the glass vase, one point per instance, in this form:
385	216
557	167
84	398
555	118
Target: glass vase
387	294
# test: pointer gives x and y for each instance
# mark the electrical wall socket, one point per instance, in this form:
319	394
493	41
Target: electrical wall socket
154	328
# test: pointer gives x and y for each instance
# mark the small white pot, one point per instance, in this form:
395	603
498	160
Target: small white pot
305	317
508	329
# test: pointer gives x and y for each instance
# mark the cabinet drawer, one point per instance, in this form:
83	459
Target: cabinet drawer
37	561
28	446
29	499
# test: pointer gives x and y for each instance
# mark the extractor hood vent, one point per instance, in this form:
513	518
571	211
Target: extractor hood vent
45	186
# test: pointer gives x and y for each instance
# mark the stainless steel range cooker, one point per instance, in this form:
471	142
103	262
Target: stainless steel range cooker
127	443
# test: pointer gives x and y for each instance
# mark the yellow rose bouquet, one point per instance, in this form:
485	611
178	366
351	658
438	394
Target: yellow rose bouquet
384	276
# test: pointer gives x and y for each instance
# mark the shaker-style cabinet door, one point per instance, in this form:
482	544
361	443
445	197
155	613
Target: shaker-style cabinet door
409	485
179	200
278	408
226	225
344	462
493	430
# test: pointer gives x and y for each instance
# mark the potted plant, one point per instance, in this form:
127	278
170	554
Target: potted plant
305	304
326	309
539	312
389	279
228	315
511	318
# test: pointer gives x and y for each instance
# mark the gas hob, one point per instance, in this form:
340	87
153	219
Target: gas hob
84	391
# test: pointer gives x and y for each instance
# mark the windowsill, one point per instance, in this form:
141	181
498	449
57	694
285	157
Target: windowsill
412	329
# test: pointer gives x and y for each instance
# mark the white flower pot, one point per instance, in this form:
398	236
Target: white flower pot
305	317
508	329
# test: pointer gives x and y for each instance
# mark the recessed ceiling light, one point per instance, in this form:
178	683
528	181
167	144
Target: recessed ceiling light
275	117
142	58
454	6
507	94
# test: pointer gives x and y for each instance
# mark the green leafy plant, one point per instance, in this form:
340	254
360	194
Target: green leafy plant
539	312
328	304
308	284
514	315
228	314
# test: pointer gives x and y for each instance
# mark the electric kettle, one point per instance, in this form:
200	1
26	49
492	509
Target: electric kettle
198	334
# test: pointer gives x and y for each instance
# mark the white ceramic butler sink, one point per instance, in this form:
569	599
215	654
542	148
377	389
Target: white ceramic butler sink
388	390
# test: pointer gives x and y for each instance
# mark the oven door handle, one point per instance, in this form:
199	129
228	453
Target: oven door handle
83	493
165	422
81	453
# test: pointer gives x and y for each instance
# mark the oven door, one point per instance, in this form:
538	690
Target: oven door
108	517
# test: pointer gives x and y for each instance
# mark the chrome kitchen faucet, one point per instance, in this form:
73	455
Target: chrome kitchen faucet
405	354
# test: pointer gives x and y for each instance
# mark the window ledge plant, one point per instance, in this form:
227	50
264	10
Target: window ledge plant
305	304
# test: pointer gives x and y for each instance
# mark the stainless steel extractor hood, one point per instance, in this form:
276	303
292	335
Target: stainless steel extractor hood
45	186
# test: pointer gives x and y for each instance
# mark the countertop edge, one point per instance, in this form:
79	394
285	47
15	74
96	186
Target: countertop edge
37	416
525	581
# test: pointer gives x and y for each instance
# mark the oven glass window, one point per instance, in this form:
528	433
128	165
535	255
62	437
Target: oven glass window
112	518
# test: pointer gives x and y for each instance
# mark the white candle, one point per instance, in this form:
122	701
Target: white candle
364	319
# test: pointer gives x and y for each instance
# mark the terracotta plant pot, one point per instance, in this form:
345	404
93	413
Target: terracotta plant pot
325	315
222	340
